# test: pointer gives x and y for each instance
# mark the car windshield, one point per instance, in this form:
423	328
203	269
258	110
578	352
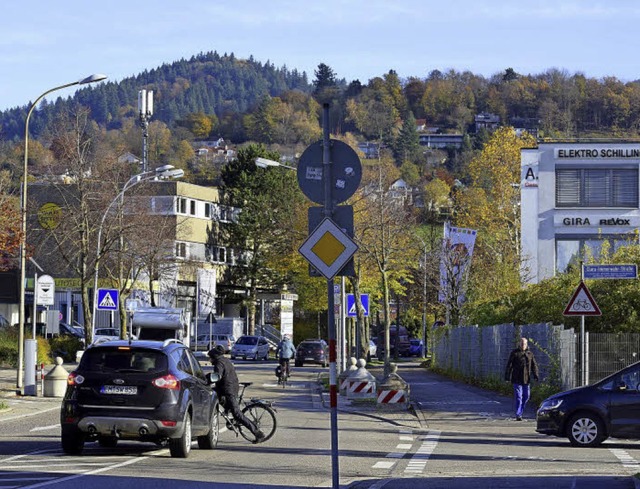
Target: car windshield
109	359
310	345
107	332
247	340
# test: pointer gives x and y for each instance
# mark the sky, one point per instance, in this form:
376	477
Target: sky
45	44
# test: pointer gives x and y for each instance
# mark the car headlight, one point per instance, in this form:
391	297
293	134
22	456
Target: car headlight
550	404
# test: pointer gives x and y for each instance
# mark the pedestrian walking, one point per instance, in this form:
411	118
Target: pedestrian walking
521	368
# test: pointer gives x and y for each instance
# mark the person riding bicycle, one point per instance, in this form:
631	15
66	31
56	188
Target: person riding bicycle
228	387
285	352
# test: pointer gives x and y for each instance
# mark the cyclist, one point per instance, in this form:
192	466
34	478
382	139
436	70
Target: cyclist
285	352
227	388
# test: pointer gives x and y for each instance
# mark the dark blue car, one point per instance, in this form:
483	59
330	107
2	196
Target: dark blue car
415	348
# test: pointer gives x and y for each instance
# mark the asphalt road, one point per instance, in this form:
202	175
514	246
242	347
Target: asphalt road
462	437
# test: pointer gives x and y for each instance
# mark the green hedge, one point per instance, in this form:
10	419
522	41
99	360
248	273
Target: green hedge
63	346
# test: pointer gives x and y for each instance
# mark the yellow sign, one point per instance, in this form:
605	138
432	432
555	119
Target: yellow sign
328	248
49	215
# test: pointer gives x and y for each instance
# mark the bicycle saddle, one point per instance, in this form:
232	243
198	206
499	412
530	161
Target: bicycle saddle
246	384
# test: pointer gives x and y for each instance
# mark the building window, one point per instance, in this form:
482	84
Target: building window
192	207
207	210
596	187
181	250
569	252
181	206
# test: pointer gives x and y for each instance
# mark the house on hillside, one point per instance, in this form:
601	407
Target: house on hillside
485	120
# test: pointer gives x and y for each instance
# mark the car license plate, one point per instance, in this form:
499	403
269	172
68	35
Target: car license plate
309	358
127	390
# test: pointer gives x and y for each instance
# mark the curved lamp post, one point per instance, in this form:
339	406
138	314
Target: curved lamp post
264	163
165	172
23	236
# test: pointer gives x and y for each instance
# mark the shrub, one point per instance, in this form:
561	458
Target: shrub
65	347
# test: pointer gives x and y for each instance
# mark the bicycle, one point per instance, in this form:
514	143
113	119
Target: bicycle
259	411
283	374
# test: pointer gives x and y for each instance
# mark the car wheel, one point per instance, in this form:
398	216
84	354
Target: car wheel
324	364
180	447
108	441
585	430
266	356
72	441
210	440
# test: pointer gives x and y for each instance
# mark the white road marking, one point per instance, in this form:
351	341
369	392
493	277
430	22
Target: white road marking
44	428
406	438
383	465
57	408
403	446
419	459
627	460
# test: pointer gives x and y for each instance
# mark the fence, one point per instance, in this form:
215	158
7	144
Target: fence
482	352
609	352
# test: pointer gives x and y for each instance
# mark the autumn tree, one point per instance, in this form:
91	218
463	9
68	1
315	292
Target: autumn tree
490	205
266	201
10	224
382	222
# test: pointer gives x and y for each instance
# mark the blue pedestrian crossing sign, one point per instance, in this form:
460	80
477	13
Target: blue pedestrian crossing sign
351	305
108	299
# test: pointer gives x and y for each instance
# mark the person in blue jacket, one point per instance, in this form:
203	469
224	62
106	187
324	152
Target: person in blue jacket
286	352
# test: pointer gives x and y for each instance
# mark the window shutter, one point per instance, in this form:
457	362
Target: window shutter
568	188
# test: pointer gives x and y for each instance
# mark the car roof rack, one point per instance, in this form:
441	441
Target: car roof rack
168	341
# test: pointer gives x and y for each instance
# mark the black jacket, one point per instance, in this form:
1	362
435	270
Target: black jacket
228	384
521	367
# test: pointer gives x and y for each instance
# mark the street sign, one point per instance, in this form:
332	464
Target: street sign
108	299
610	271
346	172
582	303
46	293
351	305
343	217
328	248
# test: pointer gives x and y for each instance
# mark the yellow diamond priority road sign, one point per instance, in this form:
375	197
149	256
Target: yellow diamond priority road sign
328	248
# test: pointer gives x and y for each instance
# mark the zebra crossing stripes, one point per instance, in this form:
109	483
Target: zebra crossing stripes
419	459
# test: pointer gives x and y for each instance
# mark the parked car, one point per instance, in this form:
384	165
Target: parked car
415	348
148	391
373	350
312	351
250	347
402	342
203	341
105	334
590	414
71	330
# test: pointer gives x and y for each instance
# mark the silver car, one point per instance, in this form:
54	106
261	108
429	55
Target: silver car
250	347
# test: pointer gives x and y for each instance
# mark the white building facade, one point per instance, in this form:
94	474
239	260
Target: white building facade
575	197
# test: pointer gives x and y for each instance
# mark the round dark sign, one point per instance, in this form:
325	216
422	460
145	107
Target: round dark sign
346	172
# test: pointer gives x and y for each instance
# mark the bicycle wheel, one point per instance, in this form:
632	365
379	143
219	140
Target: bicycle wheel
263	417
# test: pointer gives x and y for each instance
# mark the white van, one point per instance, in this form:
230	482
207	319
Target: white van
204	341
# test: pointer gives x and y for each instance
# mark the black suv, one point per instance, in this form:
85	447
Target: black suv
312	351
148	391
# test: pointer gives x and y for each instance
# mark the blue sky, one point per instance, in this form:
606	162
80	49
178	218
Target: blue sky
44	43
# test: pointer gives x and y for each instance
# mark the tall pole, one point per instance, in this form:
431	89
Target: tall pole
424	303
23	229
331	322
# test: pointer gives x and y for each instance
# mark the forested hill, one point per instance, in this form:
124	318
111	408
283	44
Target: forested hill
207	83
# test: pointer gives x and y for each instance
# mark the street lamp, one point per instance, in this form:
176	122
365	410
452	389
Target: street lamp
264	163
165	172
23	237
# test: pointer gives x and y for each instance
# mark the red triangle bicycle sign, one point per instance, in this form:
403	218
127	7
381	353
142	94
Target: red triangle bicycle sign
582	303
